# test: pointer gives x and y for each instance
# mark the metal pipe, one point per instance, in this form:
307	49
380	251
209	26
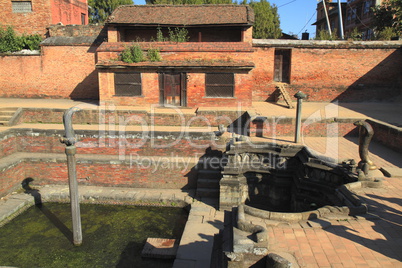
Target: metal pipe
300	96
326	16
340	20
69	140
74	196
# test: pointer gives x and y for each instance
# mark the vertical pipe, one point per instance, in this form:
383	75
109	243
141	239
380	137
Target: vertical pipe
74	196
300	96
69	141
326	16
340	20
298	120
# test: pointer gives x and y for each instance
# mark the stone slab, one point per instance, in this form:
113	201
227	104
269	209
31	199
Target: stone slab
160	248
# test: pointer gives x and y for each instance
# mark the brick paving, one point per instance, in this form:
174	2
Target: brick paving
372	240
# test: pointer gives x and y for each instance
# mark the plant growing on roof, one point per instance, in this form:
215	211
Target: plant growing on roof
132	54
178	35
153	54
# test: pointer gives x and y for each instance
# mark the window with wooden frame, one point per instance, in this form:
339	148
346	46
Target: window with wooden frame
127	84
21	6
219	85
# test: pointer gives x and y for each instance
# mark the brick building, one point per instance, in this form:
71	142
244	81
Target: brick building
333	15
359	15
34	16
211	69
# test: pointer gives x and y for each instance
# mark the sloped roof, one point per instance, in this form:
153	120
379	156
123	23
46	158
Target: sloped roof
186	15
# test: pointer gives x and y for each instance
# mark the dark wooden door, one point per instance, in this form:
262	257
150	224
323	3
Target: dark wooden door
282	65
173	89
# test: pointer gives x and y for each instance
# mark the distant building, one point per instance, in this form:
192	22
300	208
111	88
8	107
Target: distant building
34	16
333	15
356	14
359	15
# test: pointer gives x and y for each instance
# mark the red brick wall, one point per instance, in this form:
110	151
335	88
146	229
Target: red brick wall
11	177
199	57
34	22
44	13
327	74
69	12
323	73
60	72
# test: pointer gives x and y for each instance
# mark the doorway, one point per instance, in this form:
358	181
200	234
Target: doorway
282	63
173	89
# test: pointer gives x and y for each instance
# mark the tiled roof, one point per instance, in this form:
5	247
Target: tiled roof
71	41
190	15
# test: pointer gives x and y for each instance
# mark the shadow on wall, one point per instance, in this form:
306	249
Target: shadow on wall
382	83
87	89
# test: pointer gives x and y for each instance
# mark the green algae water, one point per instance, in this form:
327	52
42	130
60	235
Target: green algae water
113	236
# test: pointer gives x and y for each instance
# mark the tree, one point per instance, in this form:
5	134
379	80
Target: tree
388	17
267	23
99	10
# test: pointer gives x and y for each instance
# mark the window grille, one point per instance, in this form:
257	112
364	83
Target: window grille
21	6
219	85
127	84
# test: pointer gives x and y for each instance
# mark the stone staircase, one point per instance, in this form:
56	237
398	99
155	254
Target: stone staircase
8	116
209	176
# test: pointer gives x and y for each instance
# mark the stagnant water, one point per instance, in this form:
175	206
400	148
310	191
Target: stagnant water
113	236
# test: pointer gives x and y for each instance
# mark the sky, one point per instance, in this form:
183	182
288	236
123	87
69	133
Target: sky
296	16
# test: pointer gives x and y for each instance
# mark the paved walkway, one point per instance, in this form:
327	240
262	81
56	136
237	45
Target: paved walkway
385	111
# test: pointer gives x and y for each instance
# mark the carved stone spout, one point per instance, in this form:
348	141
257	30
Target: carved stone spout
365	135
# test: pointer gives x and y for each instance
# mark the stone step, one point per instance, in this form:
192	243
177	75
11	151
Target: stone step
208	183
7	112
209	174
207	192
5	117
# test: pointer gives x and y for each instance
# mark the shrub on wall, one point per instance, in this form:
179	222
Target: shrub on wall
153	54
134	54
10	42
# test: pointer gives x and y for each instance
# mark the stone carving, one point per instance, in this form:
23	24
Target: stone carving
365	135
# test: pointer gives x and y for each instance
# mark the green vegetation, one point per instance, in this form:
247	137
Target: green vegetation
153	55
388	19
134	54
176	35
11	42
113	236
99	10
325	35
267	24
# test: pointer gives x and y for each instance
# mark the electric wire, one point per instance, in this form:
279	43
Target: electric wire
357	16
287	3
308	22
